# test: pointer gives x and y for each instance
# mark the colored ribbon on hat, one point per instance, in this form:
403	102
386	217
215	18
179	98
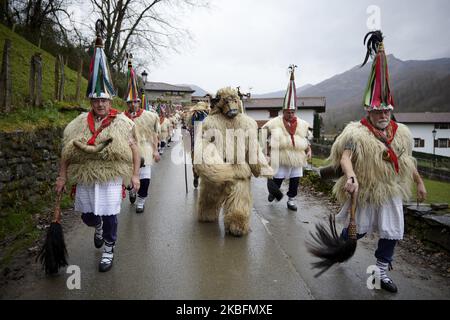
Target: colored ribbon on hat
391	129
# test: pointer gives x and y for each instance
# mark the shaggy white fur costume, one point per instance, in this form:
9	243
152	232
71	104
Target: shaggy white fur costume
288	154
377	178
116	160
147	131
165	127
225	180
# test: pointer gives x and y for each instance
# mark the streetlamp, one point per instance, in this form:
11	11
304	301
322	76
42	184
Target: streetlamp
144	79
144	76
434	145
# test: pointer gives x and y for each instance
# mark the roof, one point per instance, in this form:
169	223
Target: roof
161	86
317	103
423	117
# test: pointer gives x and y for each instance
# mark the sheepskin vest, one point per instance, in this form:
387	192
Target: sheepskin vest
289	155
115	160
165	129
147	129
377	178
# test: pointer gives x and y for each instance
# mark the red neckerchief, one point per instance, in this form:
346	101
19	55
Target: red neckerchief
387	138
161	119
291	127
105	123
136	115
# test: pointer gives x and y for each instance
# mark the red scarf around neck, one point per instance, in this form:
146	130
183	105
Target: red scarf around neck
291	127
137	114
161	119
105	123
387	138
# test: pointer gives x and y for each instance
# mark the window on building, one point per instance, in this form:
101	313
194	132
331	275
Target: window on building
442	125
419	143
442	143
273	113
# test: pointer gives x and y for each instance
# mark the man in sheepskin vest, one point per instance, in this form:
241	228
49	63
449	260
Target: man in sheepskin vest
289	136
375	155
99	153
165	128
147	131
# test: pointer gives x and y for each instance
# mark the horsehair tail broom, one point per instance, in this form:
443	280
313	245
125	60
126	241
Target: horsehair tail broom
329	246
53	254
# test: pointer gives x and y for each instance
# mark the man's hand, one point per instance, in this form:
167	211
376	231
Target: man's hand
309	154
135	182
60	185
351	185
421	192
156	156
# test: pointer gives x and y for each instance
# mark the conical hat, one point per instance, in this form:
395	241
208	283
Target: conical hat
100	85
377	95
290	98
132	90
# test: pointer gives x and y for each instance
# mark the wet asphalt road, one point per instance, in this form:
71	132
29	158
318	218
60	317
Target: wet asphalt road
165	253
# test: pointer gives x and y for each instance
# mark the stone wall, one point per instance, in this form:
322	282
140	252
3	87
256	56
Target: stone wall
29	163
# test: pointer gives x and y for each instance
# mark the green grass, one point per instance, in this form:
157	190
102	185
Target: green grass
437	191
20	55
24	117
18	229
318	162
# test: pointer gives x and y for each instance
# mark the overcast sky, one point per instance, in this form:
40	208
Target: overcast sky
250	43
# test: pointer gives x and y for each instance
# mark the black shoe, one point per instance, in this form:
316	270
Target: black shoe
270	198
132	196
195	182
291	205
106	261
139	210
98	242
274	189
388	285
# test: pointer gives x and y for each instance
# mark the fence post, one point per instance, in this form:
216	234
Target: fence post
31	80
56	77
5	79
80	70
61	82
38	70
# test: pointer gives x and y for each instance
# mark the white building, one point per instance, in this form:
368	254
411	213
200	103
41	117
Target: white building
423	125
263	109
155	91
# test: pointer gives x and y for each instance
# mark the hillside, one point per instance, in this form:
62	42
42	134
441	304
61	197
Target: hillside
21	52
199	92
417	86
281	93
27	118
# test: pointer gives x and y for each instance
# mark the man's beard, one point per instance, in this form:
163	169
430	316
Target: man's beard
382	124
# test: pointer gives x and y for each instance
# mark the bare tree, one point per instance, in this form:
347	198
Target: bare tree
148	25
35	15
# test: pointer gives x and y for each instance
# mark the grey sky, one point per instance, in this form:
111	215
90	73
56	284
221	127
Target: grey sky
251	42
